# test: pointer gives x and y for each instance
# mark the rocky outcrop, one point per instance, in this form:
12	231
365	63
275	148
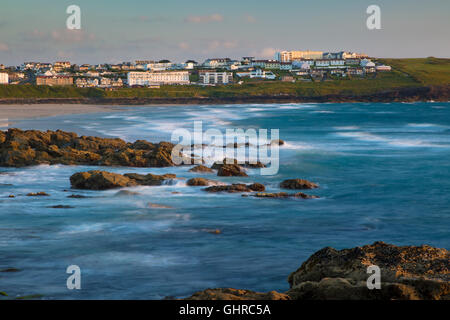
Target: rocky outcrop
298	184
407	273
195	182
285	195
202	169
234	188
231	170
102	180
32	147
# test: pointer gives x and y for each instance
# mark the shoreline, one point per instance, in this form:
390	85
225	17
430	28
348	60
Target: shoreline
408	94
16	112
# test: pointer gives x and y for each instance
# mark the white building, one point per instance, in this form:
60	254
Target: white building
208	77
152	78
383	68
4	78
259	73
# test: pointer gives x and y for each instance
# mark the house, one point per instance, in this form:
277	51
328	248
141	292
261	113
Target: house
217	62
59	66
258	73
367	63
355	71
247	60
286	66
4	78
148	78
383	68
352	61
86	82
54	81
208	77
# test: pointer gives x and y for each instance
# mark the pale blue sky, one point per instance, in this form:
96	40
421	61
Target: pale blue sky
115	31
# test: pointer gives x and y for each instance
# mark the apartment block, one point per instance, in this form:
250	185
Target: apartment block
151	78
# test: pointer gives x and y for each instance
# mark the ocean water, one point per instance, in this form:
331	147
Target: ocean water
383	170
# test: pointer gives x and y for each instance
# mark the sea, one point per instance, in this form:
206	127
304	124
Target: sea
383	171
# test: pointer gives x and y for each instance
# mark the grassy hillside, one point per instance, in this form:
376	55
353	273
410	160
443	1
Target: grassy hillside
406	73
429	71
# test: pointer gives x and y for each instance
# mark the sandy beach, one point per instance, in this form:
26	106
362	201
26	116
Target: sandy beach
10	113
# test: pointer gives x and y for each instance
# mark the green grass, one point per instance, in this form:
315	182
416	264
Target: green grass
405	73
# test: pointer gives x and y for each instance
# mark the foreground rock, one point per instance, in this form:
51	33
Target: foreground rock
32	147
407	273
195	182
103	180
298	184
201	168
234	188
285	195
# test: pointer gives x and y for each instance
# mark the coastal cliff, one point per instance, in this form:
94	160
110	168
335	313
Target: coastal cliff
406	94
407	273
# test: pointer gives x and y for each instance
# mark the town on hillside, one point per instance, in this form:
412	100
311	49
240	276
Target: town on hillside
287	66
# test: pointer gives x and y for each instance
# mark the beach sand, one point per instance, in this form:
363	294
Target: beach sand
10	113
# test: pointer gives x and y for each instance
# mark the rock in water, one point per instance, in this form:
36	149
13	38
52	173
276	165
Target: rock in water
407	273
233	188
202	182
31	147
100	180
231	170
103	180
298	184
201	168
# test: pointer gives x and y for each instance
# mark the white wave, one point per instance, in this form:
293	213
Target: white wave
347	128
365	136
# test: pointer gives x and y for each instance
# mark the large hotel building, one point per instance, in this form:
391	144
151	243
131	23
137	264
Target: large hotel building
289	56
155	78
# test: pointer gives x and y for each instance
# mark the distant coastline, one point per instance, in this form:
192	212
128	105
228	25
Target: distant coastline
407	94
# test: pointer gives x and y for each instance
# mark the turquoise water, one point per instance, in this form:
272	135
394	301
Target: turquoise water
383	170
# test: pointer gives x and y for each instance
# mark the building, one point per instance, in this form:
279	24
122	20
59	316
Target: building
208	77
4	78
61	65
289	56
383	68
151	78
217	63
258	73
54	81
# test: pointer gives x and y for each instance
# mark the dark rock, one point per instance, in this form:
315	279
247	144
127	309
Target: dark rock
277	142
10	270
100	180
32	147
201	168
202	182
103	180
11	196
407	273
231	170
60	206
234	188
77	196
298	184
38	194
285	195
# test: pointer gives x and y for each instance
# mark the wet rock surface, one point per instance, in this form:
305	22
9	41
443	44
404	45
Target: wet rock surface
285	195
298	184
235	188
103	180
407	273
32	147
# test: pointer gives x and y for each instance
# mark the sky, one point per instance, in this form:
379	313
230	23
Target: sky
116	31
